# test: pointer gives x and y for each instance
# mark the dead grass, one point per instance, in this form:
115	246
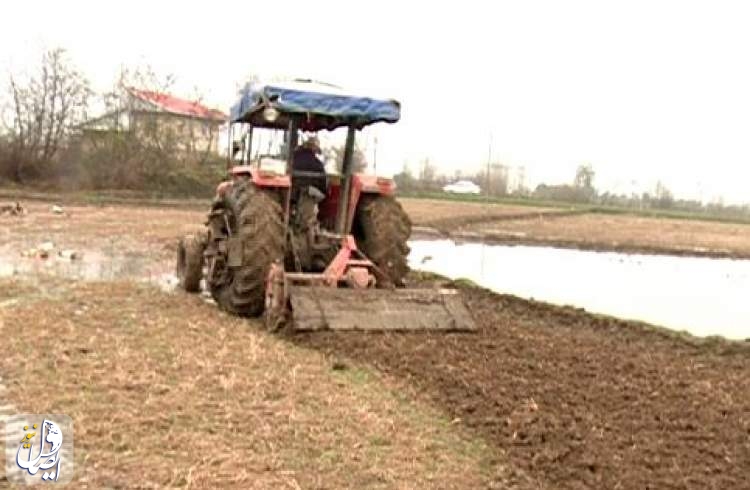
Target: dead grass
622	231
13	289
437	212
167	391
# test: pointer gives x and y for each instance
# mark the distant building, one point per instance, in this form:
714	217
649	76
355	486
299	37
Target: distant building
189	124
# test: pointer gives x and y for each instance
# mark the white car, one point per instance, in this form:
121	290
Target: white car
462	187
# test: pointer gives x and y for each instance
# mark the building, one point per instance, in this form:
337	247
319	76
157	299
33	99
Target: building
162	119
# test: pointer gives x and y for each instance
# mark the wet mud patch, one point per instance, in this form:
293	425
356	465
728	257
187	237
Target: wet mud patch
577	400
41	263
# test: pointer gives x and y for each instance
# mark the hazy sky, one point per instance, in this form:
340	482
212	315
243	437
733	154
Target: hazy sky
642	90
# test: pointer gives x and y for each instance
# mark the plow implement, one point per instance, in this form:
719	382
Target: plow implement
323	308
344	298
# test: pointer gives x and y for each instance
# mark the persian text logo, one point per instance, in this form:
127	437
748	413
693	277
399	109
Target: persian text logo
48	457
39	448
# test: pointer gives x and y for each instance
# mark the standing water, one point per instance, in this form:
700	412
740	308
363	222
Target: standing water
700	295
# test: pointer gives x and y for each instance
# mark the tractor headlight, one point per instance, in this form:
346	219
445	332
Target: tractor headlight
270	114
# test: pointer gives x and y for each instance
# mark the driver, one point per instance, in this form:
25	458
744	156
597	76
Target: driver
306	160
306	156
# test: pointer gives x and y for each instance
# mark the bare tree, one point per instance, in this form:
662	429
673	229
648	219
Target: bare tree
663	196
45	106
584	178
123	107
519	184
142	144
405	180
192	138
583	183
427	172
495	179
336	154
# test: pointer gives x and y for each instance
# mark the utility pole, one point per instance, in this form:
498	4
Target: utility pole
487	195
521	185
489	161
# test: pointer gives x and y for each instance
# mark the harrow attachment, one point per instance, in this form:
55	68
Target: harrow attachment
344	298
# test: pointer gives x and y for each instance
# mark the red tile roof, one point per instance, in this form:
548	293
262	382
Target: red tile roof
175	105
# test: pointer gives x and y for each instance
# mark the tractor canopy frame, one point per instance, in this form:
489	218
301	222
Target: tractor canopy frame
311	106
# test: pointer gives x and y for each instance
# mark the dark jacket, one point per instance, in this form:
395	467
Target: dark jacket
305	160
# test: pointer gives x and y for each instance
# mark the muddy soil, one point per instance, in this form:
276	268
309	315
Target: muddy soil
580	401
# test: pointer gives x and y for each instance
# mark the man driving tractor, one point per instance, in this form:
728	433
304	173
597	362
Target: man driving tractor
308	166
306	157
311	184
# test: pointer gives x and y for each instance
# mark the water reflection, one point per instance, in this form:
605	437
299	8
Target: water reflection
700	295
91	265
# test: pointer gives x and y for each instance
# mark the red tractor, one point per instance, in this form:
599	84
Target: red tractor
310	250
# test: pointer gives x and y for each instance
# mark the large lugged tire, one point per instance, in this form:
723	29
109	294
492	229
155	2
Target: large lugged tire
258	221
190	262
382	229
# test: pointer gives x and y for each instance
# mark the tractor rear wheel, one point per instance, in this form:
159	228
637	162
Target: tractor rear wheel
382	229
190	262
258	224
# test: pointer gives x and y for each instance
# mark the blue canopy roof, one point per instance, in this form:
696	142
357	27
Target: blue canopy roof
324	106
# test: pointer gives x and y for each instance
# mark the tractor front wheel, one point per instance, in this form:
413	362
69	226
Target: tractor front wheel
190	262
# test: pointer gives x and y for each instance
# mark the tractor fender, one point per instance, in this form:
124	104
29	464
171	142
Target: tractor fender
262	178
367	184
258	177
371	184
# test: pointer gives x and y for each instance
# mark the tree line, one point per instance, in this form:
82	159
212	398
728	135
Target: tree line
42	114
497	182
42	117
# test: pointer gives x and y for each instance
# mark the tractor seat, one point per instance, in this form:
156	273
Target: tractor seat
302	180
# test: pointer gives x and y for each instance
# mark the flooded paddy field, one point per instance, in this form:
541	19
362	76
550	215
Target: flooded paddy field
702	296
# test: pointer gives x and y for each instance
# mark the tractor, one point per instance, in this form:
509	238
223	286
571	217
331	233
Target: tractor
307	249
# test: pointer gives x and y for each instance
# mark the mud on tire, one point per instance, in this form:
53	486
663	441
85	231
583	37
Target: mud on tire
189	268
382	229
257	218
